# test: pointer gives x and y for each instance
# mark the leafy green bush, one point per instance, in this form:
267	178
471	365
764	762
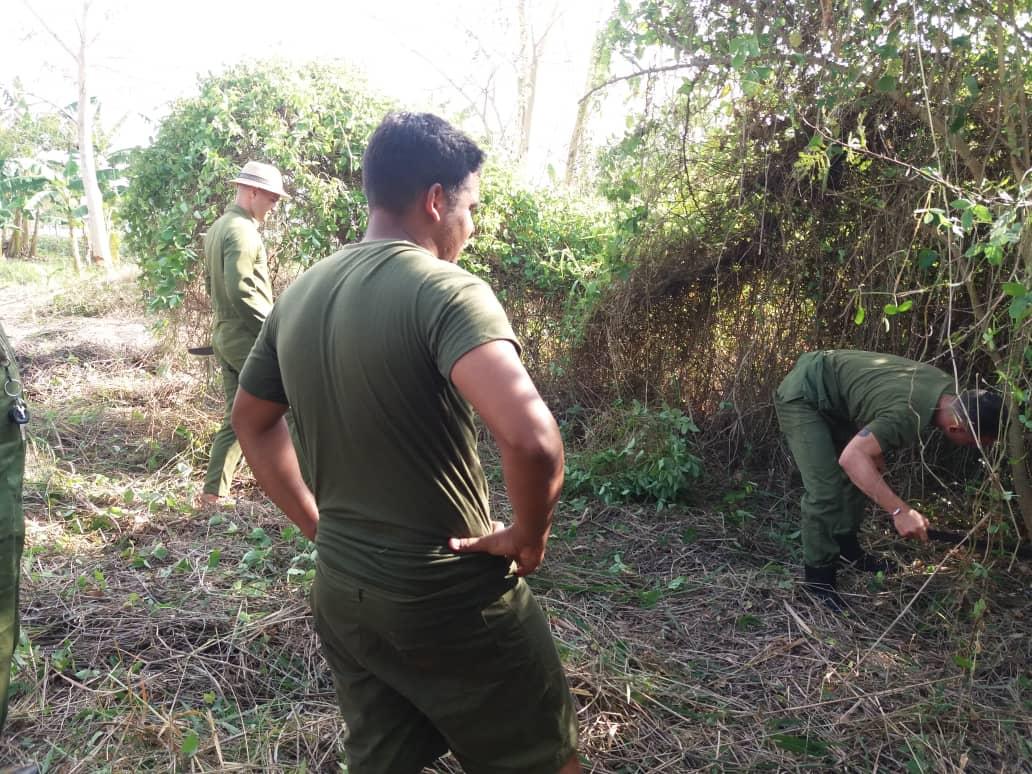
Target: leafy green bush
548	256
311	121
541	238
636	454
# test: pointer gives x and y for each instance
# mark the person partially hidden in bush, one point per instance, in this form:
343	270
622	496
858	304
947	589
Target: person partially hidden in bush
840	411
236	275
383	351
13	416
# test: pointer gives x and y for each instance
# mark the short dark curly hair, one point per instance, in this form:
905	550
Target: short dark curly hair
984	409
408	153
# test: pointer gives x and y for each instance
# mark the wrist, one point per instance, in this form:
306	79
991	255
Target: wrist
528	536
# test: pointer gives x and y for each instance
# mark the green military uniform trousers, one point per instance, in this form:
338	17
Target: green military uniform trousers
413	681
12	523
832	506
225	448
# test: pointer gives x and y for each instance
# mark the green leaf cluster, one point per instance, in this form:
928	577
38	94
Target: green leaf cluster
310	121
543	250
636	454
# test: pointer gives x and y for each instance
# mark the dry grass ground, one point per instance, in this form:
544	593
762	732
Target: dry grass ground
156	638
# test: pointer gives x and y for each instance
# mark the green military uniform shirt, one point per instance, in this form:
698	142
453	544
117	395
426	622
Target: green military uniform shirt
891	396
361	347
237	279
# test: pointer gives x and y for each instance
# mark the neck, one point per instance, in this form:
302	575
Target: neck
241	202
388	225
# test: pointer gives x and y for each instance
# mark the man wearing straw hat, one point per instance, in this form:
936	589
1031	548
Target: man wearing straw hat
237	280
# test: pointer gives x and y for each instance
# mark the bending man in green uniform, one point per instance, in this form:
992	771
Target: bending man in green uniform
840	411
12	522
237	279
384	351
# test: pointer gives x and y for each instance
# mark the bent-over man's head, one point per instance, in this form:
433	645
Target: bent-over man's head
977	415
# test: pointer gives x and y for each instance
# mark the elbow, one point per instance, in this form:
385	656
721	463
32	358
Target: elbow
542	447
238	424
845	459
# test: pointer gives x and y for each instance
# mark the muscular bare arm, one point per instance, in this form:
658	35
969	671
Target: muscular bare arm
265	441
492	378
863	462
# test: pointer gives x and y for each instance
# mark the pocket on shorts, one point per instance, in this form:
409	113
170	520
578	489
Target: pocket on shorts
520	630
475	641
506	619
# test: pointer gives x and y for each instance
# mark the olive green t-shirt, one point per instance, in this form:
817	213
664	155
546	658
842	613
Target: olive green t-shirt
361	347
891	396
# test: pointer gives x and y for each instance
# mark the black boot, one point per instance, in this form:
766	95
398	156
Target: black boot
850	550
820	581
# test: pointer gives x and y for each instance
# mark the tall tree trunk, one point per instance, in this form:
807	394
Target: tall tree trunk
74	242
597	67
524	84
16	233
526	77
35	235
98	237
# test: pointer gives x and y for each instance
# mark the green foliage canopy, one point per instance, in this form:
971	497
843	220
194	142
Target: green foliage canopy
310	121
830	175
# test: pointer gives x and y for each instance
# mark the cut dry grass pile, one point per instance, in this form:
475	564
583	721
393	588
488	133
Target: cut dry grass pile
161	639
692	649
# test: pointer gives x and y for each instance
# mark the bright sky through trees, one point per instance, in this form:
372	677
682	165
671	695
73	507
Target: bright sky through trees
432	56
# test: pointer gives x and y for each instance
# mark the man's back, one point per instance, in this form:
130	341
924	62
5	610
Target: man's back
238	282
365	341
892	396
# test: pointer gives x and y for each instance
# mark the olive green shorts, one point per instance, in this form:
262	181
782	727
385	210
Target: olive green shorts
484	682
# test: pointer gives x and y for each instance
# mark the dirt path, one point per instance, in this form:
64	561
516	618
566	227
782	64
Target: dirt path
40	319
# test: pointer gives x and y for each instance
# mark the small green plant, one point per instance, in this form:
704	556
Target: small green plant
735	502
646	455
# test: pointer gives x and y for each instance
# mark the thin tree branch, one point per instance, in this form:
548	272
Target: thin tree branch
46	27
647	71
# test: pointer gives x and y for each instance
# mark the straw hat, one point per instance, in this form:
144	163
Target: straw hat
264	176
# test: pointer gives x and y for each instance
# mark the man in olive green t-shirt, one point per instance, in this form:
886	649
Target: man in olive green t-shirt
840	411
236	275
383	352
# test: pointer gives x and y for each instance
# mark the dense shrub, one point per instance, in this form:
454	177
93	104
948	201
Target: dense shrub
549	258
311	121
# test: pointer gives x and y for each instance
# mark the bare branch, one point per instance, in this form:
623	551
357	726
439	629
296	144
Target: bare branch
47	28
647	71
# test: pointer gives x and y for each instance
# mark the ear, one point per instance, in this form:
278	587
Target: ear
434	202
